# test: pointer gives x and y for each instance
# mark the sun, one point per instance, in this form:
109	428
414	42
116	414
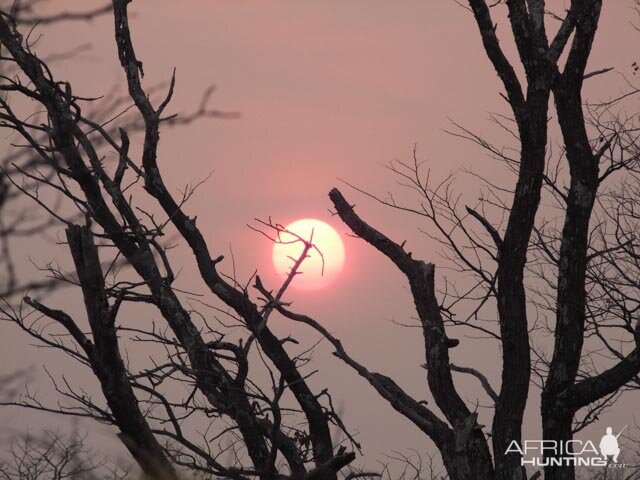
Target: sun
318	269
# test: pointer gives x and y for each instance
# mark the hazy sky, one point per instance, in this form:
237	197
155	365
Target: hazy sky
325	90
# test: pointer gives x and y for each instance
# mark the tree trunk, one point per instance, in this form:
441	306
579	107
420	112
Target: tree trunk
108	364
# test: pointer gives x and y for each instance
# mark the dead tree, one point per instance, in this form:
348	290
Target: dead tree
51	456
497	257
500	259
266	439
15	222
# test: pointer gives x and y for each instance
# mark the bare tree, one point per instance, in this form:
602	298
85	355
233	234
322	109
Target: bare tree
588	265
21	161
281	429
51	456
581	270
15	222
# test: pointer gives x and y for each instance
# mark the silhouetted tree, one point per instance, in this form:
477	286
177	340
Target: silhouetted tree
281	429
584	255
15	222
51	456
582	270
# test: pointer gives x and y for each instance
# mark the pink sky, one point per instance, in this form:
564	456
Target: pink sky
325	90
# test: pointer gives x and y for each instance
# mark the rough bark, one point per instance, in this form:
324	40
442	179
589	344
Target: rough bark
557	414
530	113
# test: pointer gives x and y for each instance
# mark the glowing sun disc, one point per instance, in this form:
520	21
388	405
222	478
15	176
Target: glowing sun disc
325	238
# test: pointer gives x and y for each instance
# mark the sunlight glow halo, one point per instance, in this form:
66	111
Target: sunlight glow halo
328	242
